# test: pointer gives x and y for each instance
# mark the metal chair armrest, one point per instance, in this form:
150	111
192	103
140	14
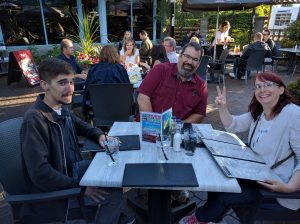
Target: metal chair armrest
268	194
47	196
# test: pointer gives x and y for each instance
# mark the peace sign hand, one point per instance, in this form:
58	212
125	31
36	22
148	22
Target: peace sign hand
220	100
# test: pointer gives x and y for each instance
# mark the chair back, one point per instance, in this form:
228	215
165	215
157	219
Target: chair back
111	102
256	60
12	171
201	70
223	57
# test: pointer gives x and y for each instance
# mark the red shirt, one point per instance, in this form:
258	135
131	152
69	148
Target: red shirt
166	90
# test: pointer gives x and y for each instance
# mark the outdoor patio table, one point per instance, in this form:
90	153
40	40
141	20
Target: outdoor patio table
208	174
291	53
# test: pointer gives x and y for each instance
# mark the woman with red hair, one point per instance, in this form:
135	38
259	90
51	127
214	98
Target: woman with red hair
273	123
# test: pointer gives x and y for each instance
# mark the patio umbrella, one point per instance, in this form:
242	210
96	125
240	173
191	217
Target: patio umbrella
223	5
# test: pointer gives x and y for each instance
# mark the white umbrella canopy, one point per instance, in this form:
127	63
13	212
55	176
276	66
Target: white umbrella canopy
223	5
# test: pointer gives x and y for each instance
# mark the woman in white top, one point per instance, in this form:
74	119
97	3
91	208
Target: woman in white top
273	122
130	54
221	38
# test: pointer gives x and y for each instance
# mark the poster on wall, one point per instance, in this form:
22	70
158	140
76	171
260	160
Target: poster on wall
27	66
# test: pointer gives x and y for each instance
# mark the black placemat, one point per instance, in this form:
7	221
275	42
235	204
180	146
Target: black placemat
159	175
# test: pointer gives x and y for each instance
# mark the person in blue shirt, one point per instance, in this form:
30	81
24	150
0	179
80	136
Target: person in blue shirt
67	54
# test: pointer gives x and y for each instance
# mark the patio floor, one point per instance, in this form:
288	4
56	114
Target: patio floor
17	98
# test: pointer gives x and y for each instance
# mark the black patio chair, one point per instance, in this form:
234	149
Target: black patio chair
13	174
267	208
218	66
201	70
111	102
253	63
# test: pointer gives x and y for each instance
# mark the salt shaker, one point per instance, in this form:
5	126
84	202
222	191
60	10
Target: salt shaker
177	141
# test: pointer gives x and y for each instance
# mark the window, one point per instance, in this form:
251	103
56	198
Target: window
283	19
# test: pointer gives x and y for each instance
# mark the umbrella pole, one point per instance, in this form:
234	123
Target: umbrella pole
217	25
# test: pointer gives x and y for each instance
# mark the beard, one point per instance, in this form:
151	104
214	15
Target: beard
186	69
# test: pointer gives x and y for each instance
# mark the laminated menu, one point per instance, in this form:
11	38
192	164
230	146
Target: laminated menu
154	124
235	158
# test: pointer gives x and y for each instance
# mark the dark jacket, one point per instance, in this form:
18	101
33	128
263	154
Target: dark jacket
272	46
72	61
43	152
145	49
257	46
104	73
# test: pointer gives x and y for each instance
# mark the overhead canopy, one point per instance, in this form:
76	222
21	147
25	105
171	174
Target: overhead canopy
214	5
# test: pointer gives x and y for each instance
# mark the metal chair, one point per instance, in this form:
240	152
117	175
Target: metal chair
267	208
13	173
253	63
111	102
218	66
201	70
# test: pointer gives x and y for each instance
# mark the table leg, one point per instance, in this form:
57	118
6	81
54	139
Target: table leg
159	204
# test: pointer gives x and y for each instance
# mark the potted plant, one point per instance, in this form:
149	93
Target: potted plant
89	50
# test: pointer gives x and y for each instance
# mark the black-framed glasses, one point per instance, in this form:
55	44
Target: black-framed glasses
266	85
196	60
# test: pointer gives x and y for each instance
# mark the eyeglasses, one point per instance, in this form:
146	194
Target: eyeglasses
266	85
196	60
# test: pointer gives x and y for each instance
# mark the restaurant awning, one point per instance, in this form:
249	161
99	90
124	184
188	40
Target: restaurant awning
214	5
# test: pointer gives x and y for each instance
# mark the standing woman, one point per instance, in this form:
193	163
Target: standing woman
130	54
127	35
221	38
273	123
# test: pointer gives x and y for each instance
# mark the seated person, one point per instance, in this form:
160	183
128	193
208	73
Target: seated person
108	70
158	55
266	38
176	85
258	44
51	153
146	47
195	39
67	54
130	54
170	46
187	37
273	122
127	36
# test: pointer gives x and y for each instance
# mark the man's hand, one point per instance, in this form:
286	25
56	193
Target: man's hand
276	186
95	193
103	138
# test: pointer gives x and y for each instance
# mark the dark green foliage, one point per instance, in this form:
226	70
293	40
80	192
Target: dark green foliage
38	57
294	88
293	34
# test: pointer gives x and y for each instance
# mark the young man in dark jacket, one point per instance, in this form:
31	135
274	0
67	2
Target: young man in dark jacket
50	148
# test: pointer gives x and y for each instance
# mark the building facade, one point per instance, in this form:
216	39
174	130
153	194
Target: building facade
45	22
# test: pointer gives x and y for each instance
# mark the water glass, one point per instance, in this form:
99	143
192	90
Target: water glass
112	150
162	146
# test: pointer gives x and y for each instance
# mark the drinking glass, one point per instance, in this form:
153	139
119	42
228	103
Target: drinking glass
112	150
190	141
162	146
